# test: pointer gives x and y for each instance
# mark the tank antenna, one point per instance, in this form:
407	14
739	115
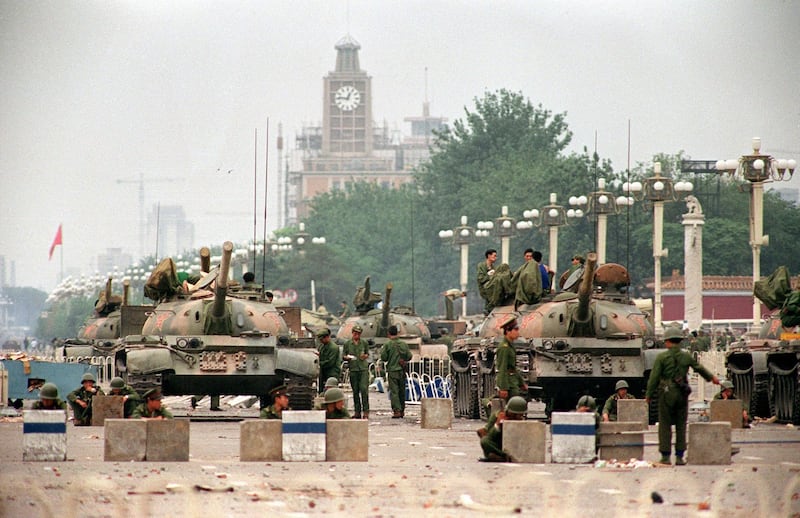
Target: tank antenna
266	190
255	195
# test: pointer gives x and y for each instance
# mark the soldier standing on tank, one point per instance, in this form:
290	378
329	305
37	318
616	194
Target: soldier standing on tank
48	398
330	365
356	352
280	402
667	378
492	439
345	310
485	272
151	408
509	380
334	404
130	398
610	408
395	355
80	400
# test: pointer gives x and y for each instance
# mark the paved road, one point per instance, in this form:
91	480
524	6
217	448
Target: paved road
411	472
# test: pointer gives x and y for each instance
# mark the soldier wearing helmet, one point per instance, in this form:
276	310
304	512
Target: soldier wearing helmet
668	379
130	397
492	436
280	402
356	352
726	392
330	365
610	408
80	400
334	404
48	398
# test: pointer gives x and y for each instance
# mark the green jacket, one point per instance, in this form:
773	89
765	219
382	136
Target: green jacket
673	364
529	283
269	413
392	352
482	277
142	411
127	390
505	359
356	349
329	362
337	414
84	395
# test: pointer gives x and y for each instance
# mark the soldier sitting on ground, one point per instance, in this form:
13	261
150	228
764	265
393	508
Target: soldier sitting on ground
588	405
610	408
130	398
726	392
334	404
151	408
48	398
492	435
280	402
80	400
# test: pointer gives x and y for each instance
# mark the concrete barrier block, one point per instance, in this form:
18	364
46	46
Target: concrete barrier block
727	410
437	413
621	441
633	410
107	407
348	440
261	440
167	440
573	437
125	440
525	441
44	435
303	435
709	443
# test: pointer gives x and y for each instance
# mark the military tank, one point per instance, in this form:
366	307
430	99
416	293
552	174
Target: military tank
571	345
765	370
198	340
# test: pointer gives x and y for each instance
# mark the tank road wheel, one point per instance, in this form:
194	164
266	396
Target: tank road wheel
486	385
301	392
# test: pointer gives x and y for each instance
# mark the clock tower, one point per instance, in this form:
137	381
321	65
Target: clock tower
347	105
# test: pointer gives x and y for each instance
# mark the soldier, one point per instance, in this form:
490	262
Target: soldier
509	380
80	400
587	404
249	279
130	397
334	404
319	401
610	408
726	392
280	402
528	279
330	365
545	271
356	352
668	378
345	310
492	439
395	356
48	398
485	272
151	408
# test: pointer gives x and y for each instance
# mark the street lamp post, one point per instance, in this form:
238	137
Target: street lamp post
551	216
656	190
504	227
461	237
599	204
757	169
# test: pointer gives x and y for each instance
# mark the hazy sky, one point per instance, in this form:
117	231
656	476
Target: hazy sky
96	92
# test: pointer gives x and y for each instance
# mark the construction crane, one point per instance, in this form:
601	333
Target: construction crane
142	217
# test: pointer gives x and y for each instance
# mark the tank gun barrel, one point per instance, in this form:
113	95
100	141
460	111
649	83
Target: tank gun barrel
108	290
205	260
387	304
218	310
126	290
585	289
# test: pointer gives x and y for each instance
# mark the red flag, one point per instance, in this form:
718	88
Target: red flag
56	241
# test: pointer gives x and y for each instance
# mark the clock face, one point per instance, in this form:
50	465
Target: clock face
347	98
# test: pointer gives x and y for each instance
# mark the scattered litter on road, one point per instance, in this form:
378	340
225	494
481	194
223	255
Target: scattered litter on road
467	502
209	489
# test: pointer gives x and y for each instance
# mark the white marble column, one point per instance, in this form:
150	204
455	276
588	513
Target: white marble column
693	222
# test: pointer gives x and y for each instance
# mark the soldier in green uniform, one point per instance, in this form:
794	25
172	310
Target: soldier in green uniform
484	274
395	354
334	404
330	365
492	439
356	352
319	401
48	398
726	392
588	405
80	400
667	378
131	398
509	380
280	402
610	408
151	407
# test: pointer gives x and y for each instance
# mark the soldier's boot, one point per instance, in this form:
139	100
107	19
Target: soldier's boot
679	461
357	415
366	414
664	458
396	414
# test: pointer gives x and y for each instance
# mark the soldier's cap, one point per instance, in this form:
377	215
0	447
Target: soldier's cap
392	331
153	393
509	322
280	390
323	332
358	329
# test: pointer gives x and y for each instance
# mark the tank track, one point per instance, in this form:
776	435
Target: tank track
784	396
301	392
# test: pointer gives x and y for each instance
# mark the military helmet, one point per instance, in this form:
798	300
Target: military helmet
727	385
117	383
621	384
587	401
323	332
334	395
673	333
88	377
358	329
331	382
517	405
153	393
48	391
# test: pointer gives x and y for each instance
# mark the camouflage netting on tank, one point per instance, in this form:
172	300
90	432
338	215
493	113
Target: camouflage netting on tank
163	282
528	283
501	287
773	290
